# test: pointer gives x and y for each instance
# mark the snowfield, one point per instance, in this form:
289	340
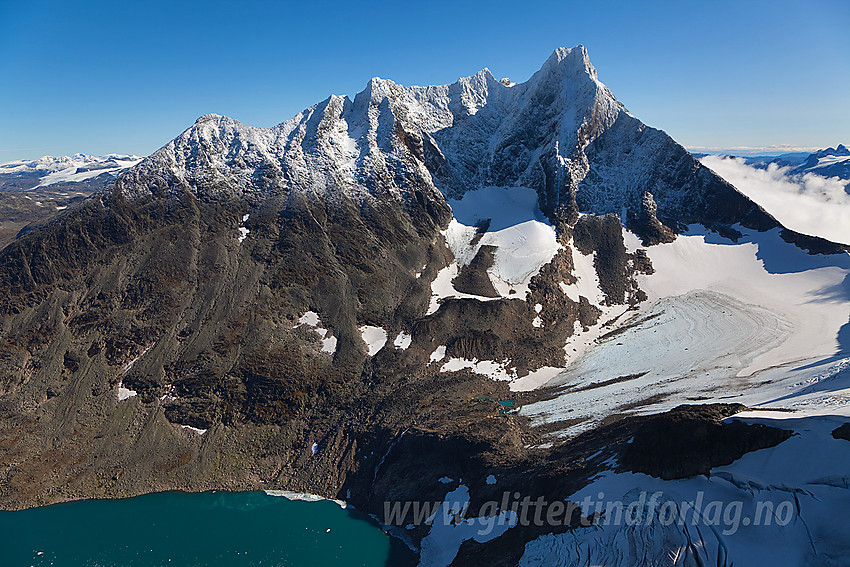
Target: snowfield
751	322
70	169
785	506
523	238
756	321
812	292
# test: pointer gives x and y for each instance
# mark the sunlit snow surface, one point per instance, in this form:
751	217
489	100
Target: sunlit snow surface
753	322
524	241
805	479
125	393
374	337
757	321
70	169
403	340
311	319
243	231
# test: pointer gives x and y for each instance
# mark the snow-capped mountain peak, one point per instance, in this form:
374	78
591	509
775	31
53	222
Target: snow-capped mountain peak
840	150
355	280
575	61
476	132
561	133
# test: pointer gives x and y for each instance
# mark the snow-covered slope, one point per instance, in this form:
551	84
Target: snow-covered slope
749	321
523	239
50	170
830	162
785	506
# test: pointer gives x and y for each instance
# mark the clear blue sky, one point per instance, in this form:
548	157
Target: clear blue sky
126	77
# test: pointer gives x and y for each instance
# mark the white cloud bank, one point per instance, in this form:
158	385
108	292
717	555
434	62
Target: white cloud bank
807	203
755	150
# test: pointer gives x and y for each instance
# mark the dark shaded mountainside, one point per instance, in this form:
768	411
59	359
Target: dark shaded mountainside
182	286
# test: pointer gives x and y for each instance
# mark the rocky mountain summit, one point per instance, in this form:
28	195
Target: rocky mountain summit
385	291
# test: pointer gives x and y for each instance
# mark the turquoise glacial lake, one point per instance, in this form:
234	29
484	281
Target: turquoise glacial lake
226	529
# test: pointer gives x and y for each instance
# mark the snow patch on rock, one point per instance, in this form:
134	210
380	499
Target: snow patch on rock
329	344
403	341
374	337
490	368
125	393
438	354
587	280
311	319
442	288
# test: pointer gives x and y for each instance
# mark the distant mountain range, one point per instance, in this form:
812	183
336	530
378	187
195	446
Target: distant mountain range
34	191
829	162
47	171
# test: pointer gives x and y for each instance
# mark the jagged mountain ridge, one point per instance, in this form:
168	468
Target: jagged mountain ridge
561	133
